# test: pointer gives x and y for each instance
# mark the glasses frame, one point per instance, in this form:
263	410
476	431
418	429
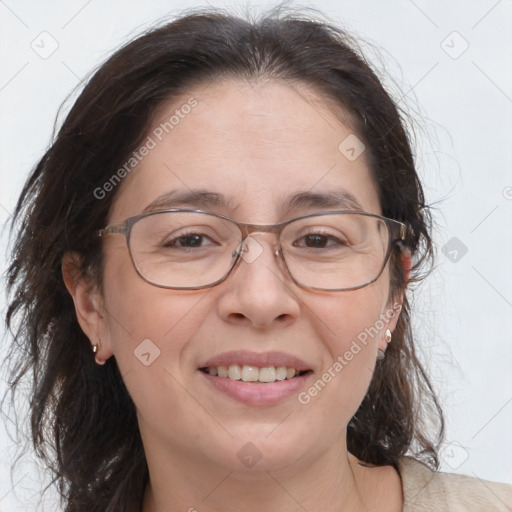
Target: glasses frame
396	230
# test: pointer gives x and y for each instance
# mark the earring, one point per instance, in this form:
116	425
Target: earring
382	354
95	350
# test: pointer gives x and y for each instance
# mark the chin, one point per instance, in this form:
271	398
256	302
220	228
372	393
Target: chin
267	450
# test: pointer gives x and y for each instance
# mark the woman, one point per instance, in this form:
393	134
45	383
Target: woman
210	277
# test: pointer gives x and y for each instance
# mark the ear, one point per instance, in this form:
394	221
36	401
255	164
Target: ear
392	312
406	257
89	308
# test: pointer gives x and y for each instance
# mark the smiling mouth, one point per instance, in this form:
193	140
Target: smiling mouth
254	374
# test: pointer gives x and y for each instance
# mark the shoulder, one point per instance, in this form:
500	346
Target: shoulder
426	490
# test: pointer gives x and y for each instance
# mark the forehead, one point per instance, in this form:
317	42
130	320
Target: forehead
253	146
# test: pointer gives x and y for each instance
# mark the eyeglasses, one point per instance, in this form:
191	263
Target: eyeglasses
192	249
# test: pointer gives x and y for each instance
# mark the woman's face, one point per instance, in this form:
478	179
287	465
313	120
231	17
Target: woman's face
256	144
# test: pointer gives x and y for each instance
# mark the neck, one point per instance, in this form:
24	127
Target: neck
333	482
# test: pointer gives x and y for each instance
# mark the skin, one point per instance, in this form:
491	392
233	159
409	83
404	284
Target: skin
258	143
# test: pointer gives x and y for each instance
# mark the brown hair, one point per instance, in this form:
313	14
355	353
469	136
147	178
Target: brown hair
83	421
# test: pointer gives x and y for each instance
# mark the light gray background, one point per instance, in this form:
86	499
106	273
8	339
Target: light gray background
462	104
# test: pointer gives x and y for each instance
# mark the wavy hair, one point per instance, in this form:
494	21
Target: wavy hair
83	422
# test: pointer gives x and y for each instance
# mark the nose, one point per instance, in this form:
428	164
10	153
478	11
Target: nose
259	292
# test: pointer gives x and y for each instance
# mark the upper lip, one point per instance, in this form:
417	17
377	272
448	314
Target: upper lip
261	360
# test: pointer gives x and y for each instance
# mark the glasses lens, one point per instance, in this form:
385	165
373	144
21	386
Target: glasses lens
327	251
183	249
335	251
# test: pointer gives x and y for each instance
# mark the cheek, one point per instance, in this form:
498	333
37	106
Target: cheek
347	316
149	327
151	341
351	326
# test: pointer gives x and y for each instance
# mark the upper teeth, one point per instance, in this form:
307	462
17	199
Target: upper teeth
253	373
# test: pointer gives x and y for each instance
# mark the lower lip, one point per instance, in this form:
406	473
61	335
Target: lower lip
252	393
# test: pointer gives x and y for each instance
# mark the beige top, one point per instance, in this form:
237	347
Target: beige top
433	491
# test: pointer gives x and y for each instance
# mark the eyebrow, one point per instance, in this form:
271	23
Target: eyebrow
207	199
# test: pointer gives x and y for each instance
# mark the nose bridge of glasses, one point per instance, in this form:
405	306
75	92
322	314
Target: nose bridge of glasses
268	231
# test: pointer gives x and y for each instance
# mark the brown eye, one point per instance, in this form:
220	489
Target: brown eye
186	241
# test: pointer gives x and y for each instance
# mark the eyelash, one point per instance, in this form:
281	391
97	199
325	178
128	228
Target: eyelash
170	243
